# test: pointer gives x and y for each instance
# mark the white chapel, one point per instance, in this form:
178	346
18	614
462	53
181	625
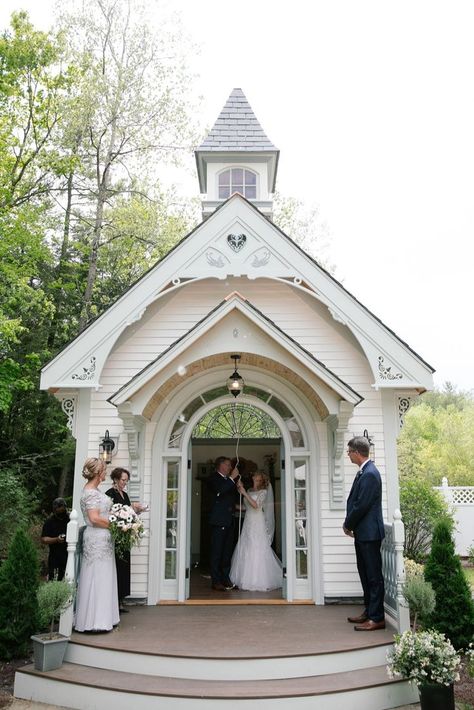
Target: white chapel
317	366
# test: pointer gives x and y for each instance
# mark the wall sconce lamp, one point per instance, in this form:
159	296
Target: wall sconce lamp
107	446
367	436
235	383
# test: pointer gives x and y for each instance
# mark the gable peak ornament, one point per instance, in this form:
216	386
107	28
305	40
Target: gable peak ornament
236	241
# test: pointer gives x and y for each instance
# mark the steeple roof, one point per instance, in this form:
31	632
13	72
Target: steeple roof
237	128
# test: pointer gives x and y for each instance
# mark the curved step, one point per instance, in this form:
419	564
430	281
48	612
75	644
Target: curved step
250	668
86	688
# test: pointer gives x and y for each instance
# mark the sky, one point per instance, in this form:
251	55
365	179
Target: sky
371	104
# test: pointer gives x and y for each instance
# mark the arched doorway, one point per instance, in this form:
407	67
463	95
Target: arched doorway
170	560
250	438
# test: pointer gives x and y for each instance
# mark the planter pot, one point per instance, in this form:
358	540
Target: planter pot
49	653
436	697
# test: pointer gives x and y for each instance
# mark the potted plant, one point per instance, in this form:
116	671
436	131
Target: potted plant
428	659
49	647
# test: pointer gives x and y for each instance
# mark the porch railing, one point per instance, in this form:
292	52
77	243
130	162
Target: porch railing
72	536
392	565
394	572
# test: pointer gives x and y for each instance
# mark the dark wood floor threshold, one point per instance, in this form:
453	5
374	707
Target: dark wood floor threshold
234	602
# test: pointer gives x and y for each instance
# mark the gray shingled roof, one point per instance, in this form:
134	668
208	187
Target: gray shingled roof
237	128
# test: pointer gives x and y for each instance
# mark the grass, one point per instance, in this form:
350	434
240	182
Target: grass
469	572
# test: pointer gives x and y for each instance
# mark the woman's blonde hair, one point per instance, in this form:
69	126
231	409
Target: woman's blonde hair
93	467
265	479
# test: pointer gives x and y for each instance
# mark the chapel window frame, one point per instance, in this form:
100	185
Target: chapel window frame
229	181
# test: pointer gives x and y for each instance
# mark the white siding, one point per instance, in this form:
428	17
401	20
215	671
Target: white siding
305	320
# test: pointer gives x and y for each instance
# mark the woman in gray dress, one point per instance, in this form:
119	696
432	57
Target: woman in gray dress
97	604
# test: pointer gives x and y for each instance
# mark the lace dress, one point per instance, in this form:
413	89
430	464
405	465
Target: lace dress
97	601
255	566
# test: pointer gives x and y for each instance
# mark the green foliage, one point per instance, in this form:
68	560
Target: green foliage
16	507
305	227
454	611
438	438
413	569
423	657
53	598
420	597
18	603
470	554
421	508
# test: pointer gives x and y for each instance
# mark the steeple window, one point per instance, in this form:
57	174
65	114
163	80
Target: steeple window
238	180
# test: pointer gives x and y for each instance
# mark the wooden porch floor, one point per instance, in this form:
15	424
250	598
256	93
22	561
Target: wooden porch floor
227	632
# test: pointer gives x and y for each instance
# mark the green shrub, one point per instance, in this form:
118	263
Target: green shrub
421	508
18	604
419	596
53	598
453	614
16	507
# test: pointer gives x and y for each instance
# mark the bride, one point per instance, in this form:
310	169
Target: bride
255	566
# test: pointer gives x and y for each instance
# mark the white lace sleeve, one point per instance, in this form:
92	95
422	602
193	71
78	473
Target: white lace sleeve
261	497
92	499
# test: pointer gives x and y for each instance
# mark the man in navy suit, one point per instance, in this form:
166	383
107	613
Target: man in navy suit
364	522
221	519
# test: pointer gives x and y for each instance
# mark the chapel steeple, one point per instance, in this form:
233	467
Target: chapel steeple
237	156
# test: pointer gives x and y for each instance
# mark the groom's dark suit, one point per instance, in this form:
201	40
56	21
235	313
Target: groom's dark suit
221	520
364	519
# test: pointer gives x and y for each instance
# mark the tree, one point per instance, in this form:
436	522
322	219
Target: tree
16	506
19	581
304	225
421	508
82	135
438	438
453	614
130	113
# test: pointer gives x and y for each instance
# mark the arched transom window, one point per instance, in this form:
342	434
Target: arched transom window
238	180
236	419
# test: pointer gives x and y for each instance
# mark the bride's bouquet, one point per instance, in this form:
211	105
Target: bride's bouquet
125	527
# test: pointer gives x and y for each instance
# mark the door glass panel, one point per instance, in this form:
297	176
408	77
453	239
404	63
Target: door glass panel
171	533
300	470
171	521
172	476
170	564
300	503
301	564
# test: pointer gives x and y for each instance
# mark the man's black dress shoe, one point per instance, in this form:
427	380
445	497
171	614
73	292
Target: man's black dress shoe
219	587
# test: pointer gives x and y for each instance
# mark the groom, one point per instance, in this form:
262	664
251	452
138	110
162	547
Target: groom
364	522
221	519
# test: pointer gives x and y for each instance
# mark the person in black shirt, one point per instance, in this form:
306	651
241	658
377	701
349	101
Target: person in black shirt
54	535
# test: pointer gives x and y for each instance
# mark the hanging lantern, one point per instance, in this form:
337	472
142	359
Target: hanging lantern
235	383
107	446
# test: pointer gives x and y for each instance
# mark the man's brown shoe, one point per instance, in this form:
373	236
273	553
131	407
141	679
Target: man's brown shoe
357	619
219	587
370	625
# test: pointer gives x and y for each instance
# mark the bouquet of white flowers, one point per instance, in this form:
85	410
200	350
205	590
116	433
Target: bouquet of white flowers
125	527
423	657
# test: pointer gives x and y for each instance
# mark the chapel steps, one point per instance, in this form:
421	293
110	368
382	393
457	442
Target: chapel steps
201	658
85	687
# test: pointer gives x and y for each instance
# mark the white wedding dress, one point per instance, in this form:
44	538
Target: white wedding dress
97	600
255	567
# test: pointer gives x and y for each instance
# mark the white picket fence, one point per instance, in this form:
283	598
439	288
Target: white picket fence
461	501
